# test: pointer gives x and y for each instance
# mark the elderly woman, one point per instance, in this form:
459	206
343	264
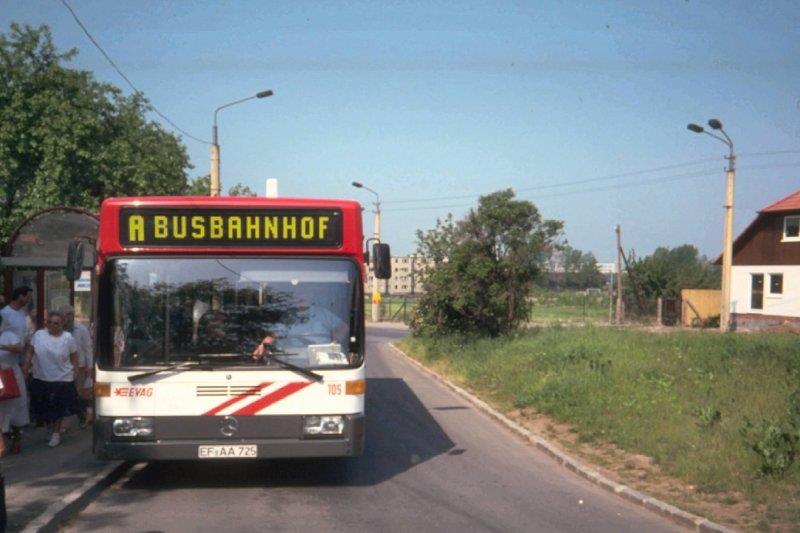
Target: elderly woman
53	355
13	412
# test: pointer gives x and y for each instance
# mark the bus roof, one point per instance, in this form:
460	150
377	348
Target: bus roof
230	225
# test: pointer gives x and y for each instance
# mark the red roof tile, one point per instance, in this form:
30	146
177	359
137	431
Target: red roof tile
790	203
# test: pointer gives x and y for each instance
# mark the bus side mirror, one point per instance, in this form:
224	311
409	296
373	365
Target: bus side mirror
381	260
366	257
74	260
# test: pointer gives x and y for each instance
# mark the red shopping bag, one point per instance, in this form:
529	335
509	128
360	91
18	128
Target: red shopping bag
9	388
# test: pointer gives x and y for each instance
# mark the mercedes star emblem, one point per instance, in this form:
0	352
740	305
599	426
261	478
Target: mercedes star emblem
228	426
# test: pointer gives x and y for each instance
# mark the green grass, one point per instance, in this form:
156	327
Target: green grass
682	398
568	306
546	306
392	307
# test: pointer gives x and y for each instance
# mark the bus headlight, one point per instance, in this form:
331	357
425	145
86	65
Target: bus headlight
323	426
133	427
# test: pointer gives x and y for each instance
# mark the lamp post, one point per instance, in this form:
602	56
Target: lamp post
376	234
215	184
727	244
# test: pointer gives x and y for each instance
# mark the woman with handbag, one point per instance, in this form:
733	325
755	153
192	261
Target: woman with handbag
13	396
53	354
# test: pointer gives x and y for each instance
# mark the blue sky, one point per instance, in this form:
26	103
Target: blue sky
441	100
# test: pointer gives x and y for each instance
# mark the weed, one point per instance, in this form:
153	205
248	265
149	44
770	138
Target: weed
776	446
707	417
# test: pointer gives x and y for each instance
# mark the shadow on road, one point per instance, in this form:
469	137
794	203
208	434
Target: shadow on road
401	434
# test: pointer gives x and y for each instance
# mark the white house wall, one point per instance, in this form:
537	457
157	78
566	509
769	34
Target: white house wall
786	304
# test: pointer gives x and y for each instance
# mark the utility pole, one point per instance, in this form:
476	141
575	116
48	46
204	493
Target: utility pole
727	238
376	294
727	250
215	182
619	314
376	235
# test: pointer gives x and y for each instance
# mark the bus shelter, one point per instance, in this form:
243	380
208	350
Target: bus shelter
36	255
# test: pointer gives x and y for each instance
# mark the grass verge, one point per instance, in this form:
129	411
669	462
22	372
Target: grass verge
719	413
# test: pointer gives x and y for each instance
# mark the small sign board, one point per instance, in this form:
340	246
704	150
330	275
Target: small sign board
83	283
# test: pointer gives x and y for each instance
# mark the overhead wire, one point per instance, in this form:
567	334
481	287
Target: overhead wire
657	179
591	180
124	77
566	183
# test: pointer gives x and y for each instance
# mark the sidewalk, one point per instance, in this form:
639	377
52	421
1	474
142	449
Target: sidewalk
41	475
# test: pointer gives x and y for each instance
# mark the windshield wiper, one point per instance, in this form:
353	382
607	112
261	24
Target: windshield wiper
180	367
270	356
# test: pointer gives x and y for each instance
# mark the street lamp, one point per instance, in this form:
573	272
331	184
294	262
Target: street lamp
376	234
215	185
727	245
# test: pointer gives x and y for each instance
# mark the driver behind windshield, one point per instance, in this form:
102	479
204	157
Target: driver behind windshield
314	324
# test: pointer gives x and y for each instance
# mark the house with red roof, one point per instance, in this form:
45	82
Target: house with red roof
765	277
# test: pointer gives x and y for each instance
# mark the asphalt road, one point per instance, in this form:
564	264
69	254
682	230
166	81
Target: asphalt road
433	463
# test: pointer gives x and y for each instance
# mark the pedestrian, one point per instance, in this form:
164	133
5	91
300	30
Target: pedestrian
52	356
14	411
83	340
15	314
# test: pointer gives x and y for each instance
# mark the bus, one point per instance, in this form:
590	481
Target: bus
228	327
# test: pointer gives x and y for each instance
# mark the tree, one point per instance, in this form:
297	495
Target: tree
67	139
580	269
483	267
241	190
201	185
668	270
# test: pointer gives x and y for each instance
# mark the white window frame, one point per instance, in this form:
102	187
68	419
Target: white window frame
768	293
785	220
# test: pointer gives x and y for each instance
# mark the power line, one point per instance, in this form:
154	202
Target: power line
601	178
774	152
566	183
658	179
596	189
124	77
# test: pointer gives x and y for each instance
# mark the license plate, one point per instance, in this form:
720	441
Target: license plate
235	451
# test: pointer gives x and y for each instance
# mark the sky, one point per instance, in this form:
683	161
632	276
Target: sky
433	104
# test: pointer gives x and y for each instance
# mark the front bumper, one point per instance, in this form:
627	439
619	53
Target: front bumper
178	438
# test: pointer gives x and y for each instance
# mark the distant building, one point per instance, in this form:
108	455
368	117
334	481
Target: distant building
607	269
765	275
405	280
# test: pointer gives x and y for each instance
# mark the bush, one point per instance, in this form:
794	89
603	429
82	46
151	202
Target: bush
776	446
483	267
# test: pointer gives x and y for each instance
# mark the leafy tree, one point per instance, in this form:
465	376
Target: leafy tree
241	190
580	269
483	267
67	139
201	186
668	270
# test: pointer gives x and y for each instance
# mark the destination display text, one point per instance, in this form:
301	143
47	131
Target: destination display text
230	227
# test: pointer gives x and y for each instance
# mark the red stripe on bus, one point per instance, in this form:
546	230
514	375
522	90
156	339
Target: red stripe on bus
271	398
228	403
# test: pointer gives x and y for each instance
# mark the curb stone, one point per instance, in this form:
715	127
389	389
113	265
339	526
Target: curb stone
677	515
68	506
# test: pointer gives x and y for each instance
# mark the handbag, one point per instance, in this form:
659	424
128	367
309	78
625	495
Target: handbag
9	388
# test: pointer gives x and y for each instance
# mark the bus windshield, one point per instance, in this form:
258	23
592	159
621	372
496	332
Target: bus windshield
168	310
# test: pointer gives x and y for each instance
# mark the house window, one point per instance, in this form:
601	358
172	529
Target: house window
757	291
776	283
791	228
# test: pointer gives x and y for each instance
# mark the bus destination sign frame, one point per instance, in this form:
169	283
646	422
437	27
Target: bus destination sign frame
156	227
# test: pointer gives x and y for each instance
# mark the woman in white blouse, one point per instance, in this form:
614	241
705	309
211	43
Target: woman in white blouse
53	357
